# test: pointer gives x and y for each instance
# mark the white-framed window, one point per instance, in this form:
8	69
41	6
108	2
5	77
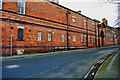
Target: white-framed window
0	4
49	36
88	38
73	19
21	6
81	38
85	22
92	39
84	38
93	25
63	37
39	36
74	38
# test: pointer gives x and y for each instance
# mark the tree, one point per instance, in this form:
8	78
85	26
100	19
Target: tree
116	2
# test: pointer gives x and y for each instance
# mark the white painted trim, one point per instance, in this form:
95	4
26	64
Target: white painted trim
1	4
73	19
20	27
24	6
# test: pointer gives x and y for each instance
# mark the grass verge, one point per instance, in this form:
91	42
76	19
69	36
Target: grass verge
106	63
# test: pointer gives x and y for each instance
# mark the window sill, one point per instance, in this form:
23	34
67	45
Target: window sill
49	41
39	41
19	40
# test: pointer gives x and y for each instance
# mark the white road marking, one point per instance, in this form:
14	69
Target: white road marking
12	66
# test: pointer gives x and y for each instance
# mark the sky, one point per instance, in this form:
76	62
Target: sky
94	9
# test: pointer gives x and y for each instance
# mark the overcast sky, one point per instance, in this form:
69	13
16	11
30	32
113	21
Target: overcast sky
94	9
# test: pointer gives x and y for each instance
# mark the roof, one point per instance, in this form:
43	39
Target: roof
73	11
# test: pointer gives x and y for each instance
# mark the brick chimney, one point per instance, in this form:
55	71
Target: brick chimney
79	11
104	21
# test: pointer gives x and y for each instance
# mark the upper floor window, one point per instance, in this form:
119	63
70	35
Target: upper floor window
73	19
74	38
85	22
93	25
21	6
0	4
39	36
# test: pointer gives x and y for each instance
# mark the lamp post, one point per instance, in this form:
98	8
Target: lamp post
11	44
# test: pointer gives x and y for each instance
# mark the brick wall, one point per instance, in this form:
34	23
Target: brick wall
44	17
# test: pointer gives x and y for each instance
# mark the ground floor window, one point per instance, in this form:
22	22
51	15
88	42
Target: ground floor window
49	36
84	38
63	37
81	38
94	39
74	38
20	33
88	38
39	36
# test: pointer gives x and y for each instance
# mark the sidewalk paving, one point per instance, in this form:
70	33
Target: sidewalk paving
110	69
46	54
38	54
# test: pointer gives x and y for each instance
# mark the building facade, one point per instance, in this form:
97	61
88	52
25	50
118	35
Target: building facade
118	34
29	27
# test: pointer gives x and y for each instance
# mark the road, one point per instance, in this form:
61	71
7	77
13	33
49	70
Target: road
73	65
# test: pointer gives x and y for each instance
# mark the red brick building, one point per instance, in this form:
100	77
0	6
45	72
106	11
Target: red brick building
118	34
44	26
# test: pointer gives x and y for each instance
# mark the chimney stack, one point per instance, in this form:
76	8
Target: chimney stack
79	11
104	21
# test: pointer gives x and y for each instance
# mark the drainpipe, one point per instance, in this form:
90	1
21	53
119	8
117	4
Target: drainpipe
98	36
95	35
67	41
105	38
87	33
113	38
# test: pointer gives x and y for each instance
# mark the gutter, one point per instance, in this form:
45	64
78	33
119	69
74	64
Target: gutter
90	75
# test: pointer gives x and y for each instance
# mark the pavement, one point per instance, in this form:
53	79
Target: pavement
39	54
71	64
110	69
48	53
